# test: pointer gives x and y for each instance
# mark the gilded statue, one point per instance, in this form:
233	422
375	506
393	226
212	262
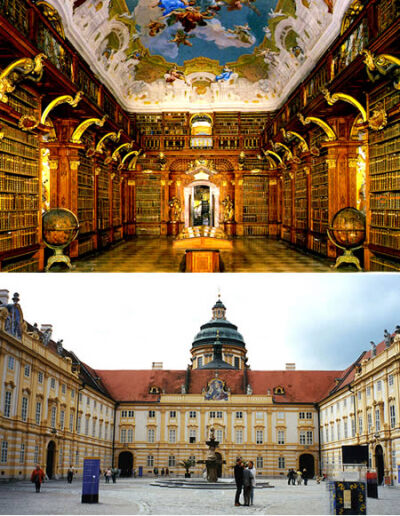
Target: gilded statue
175	209
227	203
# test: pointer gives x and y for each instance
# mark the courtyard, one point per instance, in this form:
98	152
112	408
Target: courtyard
138	496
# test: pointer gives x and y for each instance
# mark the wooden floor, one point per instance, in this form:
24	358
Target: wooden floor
158	255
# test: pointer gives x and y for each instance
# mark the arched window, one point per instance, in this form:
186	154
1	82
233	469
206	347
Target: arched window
279	390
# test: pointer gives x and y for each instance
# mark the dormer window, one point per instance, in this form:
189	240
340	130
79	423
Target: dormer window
279	390
154	390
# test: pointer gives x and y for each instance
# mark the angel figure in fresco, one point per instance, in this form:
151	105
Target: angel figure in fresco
173	74
181	38
155	27
268	55
242	33
169	6
225	75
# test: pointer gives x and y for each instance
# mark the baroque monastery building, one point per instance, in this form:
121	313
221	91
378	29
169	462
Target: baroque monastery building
56	410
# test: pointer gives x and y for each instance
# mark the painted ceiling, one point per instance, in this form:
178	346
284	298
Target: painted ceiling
158	55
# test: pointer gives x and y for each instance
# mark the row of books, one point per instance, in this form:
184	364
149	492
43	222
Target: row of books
322	202
389	132
22	107
321	215
17	135
260	208
86	192
146	217
19	149
86	226
251	143
388	181
30	264
386	163
383	149
385	238
385	201
255	230
85	213
319	191
18	202
11	183
380	264
85	203
386	218
301	223
319	245
18	165
18	239
387	96
319	226
260	217
18	220
319	166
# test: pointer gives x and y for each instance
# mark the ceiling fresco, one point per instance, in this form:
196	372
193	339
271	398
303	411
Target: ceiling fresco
160	55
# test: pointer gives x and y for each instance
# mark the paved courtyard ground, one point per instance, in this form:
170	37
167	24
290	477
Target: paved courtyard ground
137	496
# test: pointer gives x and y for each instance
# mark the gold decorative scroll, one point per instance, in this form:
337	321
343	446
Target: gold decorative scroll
27	123
303	143
116	154
63	99
382	64
16	71
273	154
330	133
132	164
332	99
115	137
83	126
279	145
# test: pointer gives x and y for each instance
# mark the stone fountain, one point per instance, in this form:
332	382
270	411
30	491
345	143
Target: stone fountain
213	462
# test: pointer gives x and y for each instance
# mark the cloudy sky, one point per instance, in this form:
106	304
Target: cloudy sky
127	321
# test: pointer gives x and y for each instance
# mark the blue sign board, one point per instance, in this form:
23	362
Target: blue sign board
90	481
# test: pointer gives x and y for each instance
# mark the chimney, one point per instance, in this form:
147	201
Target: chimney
290	366
157	365
45	327
4	297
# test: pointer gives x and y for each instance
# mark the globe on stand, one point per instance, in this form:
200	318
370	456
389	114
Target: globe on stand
60	228
347	232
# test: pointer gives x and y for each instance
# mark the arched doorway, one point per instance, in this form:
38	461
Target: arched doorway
219	467
201	204
306	460
379	463
125	463
51	449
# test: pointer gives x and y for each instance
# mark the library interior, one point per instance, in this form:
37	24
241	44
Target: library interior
236	135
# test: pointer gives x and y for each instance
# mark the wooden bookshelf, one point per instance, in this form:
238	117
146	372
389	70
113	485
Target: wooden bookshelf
255	205
116	207
384	184
252	123
300	207
148	204
20	189
175	124
103	205
86	197
226	123
287	208
149	124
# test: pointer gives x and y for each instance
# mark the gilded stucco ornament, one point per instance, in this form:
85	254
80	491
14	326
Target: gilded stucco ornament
382	65
83	126
289	135
27	123
25	68
332	99
116	155
330	133
115	137
63	99
378	120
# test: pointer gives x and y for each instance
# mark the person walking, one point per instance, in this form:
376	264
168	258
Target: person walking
290	477
247	477
108	474
253	480
238	472
70	474
304	476
298	477
114	473
37	477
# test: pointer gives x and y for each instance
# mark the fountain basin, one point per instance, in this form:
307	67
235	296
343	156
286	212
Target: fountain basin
199	483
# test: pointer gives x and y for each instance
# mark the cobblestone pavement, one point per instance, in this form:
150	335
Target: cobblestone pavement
137	496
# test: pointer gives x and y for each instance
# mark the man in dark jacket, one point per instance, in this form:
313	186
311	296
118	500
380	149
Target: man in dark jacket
247	476
238	470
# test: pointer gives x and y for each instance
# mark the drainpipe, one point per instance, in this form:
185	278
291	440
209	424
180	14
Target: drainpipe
113	438
319	439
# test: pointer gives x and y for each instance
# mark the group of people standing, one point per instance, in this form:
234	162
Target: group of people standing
245	478
297	476
112	473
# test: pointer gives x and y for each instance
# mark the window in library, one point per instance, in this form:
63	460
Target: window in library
379	385
88	401
63	388
22	454
308	415
71	422
239	415
154	390
237	362
72	393
36	455
345	429
123	435
302	415
200	362
27	370
369	422
150	461
124	413
52	383
239	436
62	419
53	417
377	420
78	424
279	390
24	409
219	435
259	415
368	391
131	413
7	403
87	426
360	425
77	458
390	380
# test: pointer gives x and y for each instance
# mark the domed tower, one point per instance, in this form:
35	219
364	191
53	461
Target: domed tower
230	343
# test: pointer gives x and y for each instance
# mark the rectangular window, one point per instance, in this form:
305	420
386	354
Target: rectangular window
80	397
390	380
53	417
11	363
259	436
377	420
63	388
151	435
78	424
281	462
309	437
302	415
27	370
369	422
94	403
22	454
360	425
332	433
60	458
24	409
379	385
131	413
192	435
219	414
353	427
368	391
302	439
259	463
392	410
172	413
124	413
172	435
36	455
7	403
219	436
87	426
171	461
344	403
308	415
40	377
62	419
192	414
77	458
71	422
94	427
359	395
130	435
38	412
394	459
345	429
199	361
152	413
88	401
52	383
239	415
326	434
281	415
237	362
123	435
150	461
281	436
259	415
239	436
212	414
4	451
338	431
72	393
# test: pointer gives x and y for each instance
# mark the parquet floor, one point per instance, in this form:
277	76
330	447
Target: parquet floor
158	255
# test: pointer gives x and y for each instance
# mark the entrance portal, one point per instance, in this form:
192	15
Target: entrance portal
125	463
379	463
51	448
201	204
307	461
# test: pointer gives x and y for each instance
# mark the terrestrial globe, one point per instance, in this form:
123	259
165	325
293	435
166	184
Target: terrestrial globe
60	228
348	228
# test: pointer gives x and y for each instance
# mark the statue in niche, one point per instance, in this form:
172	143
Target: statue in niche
227	203
175	209
47	336
183	389
249	389
13	323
